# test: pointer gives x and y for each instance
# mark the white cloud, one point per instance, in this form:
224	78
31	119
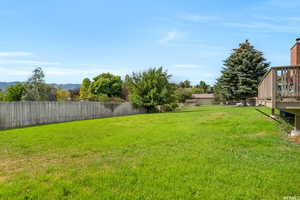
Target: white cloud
14	72
265	26
294	19
56	74
55	71
27	62
88	64
80	72
171	36
209	75
187	66
199	18
15	54
284	4
277	19
262	23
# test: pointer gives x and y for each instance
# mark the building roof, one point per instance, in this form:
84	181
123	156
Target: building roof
203	96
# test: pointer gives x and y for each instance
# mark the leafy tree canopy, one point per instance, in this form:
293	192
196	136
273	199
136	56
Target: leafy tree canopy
185	84
182	94
14	92
63	95
37	90
203	87
151	89
84	89
108	84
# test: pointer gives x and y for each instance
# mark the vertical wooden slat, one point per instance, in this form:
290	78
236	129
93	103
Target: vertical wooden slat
274	86
20	114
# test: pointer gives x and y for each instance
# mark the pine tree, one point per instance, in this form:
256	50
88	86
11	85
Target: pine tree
227	83
252	68
241	74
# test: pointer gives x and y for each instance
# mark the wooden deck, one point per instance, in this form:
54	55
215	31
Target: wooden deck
280	89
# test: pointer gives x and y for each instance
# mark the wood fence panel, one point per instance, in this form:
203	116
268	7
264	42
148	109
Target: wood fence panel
21	114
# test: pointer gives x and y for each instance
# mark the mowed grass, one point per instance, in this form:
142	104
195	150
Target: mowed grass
208	152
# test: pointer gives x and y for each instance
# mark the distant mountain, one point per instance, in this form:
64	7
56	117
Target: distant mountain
4	85
68	86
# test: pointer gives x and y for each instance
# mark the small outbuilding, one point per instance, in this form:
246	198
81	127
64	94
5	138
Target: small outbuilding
201	99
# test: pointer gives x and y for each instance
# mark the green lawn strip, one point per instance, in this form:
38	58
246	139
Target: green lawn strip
208	152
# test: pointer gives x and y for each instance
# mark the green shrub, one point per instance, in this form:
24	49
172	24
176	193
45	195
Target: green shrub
167	107
151	89
117	99
99	97
2	95
15	92
182	94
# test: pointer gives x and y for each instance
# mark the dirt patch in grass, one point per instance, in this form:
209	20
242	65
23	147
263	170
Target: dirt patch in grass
296	140
262	133
34	165
3	179
30	164
216	115
285	148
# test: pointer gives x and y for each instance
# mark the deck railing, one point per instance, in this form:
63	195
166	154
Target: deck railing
280	84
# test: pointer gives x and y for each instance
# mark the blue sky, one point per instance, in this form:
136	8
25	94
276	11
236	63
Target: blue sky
73	39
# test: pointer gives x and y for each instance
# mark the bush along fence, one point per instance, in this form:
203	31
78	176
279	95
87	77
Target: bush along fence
21	114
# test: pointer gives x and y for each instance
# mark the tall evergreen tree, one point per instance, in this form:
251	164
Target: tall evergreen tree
242	72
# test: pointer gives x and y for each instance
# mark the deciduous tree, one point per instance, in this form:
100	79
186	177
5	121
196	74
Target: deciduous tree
107	84
185	84
14	92
203	87
151	89
37	90
84	88
63	95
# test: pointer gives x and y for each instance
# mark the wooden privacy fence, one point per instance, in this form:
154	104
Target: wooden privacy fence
21	114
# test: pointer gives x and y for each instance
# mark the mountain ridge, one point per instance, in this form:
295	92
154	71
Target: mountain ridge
66	86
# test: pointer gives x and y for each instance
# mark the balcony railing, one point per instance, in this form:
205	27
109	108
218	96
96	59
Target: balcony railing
280	84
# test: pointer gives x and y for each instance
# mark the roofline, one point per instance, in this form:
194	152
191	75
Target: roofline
276	68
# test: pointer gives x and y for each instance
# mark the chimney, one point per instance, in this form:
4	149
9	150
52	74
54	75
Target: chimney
295	53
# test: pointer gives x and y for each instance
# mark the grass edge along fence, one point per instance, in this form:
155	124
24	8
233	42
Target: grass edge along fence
22	114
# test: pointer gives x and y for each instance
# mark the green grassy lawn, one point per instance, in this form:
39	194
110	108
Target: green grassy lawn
209	152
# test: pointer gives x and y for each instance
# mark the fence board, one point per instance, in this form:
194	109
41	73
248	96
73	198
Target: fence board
21	114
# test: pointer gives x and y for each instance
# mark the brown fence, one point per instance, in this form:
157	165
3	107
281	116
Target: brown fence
21	114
